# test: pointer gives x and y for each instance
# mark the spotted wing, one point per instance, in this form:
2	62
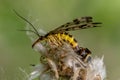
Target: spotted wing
76	24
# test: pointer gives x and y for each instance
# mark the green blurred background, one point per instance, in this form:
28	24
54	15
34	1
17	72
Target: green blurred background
15	46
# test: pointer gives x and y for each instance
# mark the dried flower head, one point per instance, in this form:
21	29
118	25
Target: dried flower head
63	63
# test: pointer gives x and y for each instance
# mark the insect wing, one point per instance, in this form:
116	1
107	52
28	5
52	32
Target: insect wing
80	26
76	24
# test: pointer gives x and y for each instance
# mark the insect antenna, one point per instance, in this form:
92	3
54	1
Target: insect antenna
35	30
29	31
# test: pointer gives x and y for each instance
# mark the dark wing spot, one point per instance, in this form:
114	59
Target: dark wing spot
66	25
88	19
96	23
73	28
76	21
67	29
83	26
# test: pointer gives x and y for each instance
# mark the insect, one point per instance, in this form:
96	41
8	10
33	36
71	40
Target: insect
60	34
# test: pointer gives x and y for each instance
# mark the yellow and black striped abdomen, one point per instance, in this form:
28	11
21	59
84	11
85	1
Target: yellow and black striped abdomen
67	38
57	38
